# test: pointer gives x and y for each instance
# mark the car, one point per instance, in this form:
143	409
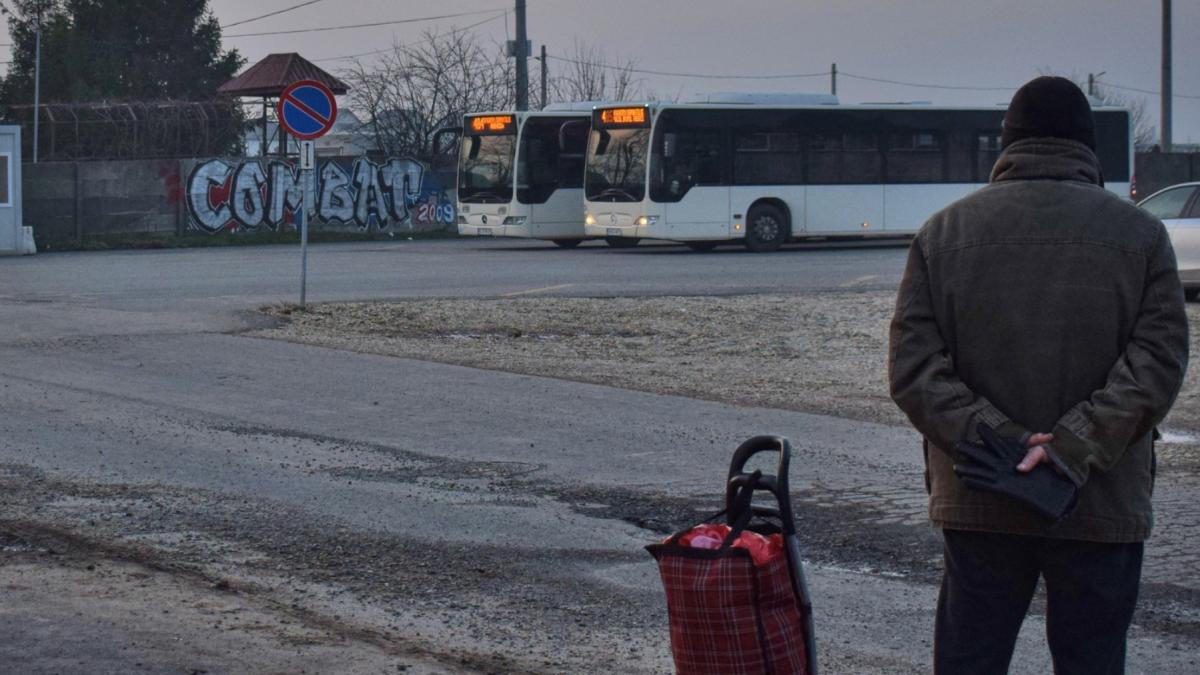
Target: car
1178	207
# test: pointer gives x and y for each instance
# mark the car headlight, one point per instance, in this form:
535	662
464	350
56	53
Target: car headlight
647	220
515	220
589	219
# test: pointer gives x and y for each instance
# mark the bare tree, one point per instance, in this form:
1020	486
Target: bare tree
589	76
1145	134
419	87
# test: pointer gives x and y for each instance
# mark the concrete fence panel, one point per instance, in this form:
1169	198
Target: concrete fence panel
69	203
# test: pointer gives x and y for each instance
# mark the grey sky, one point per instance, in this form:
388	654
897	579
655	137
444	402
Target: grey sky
948	42
951	42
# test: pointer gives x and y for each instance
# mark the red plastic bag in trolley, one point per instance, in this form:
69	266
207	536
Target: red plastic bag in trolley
733	609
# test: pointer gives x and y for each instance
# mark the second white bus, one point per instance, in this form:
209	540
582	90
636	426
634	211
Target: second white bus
765	174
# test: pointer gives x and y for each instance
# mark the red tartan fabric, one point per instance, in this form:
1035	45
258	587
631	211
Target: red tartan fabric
729	616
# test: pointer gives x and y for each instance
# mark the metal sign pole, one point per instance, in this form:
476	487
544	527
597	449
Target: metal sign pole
306	177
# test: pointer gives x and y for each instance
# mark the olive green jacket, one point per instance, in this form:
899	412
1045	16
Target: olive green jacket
1042	303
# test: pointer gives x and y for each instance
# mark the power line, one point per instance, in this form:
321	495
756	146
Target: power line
925	86
388	49
352	56
364	25
783	76
277	12
1145	91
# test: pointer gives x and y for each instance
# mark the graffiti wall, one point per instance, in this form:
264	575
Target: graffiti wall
265	194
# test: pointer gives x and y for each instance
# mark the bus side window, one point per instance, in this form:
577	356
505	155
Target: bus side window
987	151
916	156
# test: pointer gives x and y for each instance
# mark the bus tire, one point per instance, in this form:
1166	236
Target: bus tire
567	243
766	228
622	242
701	246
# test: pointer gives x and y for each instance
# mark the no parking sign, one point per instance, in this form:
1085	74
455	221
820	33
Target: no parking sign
307	110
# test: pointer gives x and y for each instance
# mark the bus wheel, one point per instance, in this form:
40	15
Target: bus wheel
766	229
622	242
702	246
567	243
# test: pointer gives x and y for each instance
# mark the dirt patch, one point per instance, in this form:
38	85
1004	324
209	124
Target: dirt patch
822	353
815	354
71	606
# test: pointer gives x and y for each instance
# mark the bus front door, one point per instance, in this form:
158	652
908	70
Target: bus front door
702	213
559	217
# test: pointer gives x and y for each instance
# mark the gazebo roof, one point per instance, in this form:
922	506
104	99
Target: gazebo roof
273	74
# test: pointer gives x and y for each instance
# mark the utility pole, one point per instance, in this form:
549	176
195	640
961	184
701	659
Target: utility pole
37	82
522	52
833	80
1166	75
1092	82
544	73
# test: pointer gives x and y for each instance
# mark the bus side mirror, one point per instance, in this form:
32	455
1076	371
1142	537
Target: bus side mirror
441	146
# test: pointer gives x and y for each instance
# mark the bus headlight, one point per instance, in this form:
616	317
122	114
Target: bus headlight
514	220
462	220
647	220
589	219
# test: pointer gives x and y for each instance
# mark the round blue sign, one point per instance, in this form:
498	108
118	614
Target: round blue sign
307	109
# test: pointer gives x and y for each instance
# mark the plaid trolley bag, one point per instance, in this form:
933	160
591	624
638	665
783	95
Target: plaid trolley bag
731	611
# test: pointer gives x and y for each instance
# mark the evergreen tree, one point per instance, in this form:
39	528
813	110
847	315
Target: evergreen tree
117	50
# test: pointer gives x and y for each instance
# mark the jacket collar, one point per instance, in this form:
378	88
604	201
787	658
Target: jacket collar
1048	159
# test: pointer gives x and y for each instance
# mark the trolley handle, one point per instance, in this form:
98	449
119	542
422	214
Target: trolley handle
776	485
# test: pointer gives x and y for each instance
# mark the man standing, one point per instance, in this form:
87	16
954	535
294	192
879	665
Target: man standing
1049	310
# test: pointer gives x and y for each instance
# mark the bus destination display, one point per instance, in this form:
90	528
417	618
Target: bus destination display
492	124
624	117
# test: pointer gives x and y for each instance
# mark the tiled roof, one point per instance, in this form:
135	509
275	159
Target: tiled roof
273	74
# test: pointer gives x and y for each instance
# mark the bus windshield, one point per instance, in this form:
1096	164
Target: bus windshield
616	165
485	168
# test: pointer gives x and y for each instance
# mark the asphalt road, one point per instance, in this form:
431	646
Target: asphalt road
445	518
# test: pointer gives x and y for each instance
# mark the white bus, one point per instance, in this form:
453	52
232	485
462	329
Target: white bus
520	174
765	174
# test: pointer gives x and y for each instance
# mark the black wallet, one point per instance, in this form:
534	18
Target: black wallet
992	466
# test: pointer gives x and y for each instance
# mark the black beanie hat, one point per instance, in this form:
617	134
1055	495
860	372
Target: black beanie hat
1049	107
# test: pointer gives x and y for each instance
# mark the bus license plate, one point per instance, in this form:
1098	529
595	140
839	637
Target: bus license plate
484	231
614	231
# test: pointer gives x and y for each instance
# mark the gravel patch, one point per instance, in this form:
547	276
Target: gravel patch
822	353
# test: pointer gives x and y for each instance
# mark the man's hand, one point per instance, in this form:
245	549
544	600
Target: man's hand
1037	454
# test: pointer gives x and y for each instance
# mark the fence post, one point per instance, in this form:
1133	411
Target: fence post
182	195
78	204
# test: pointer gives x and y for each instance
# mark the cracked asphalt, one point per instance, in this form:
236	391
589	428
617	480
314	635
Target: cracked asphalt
179	496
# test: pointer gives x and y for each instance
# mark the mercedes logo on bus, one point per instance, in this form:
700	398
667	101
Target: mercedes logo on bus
484	220
613	218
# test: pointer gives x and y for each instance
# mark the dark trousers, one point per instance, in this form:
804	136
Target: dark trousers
1091	591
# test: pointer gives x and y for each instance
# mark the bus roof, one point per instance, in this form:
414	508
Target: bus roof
916	105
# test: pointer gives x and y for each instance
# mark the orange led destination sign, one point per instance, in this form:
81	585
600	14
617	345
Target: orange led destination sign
624	117
493	124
